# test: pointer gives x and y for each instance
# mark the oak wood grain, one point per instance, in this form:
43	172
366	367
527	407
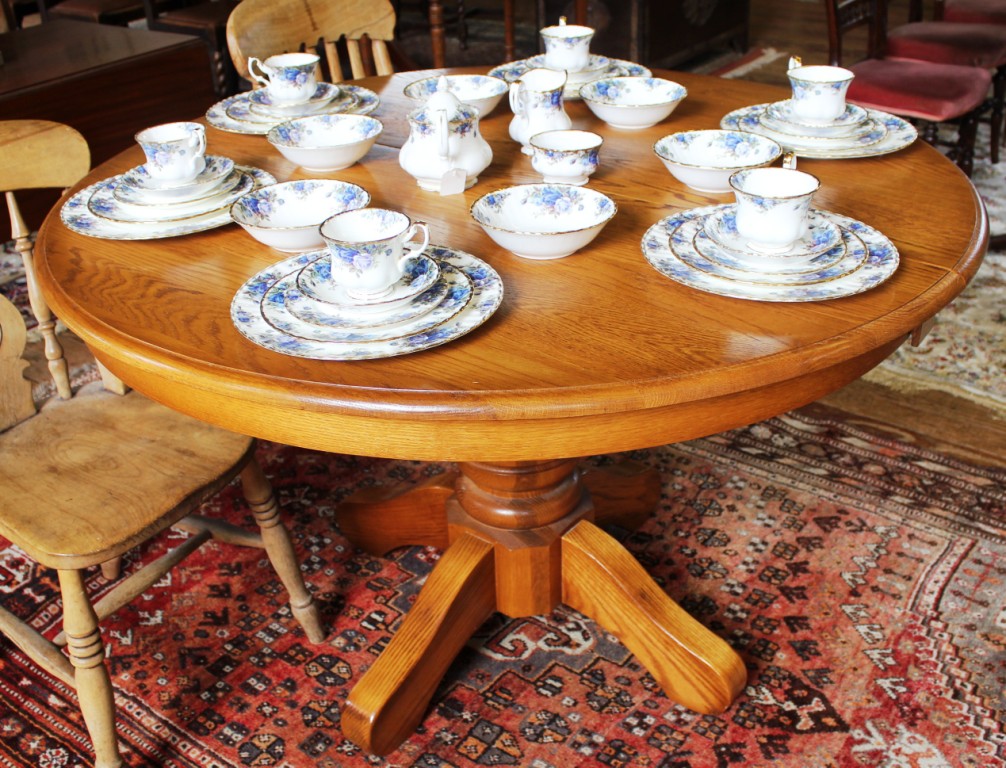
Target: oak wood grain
596	352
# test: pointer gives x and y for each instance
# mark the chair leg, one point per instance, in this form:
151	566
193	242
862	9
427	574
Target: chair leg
87	655
998	110
967	133
279	548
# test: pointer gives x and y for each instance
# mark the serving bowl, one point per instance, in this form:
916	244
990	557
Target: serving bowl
632	103
479	91
543	221
287	216
705	159
325	142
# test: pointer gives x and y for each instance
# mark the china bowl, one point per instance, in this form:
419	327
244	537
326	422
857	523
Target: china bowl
479	91
543	221
287	216
325	142
632	103
704	160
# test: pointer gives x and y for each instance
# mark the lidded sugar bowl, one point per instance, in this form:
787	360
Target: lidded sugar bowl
444	142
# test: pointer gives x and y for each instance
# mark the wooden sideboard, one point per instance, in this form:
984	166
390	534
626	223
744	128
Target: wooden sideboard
107	82
661	33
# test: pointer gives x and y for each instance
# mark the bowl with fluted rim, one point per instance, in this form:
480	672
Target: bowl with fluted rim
543	221
325	142
287	216
480	91
705	159
632	103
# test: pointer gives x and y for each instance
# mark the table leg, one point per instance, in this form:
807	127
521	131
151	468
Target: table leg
522	539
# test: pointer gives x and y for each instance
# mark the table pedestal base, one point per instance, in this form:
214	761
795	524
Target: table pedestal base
520	538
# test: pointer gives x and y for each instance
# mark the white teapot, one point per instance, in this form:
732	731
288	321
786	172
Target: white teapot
444	143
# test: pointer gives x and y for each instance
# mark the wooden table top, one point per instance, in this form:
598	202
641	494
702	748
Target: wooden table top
594	353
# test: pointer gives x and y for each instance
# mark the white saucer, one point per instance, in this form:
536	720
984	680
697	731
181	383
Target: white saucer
900	134
279	302
215	170
247	313
595	63
881	262
105	204
323	94
341	102
127	193
364	101
315	281
783	110
512	71
872	133
78	218
838	262
820	235
311	310
848	133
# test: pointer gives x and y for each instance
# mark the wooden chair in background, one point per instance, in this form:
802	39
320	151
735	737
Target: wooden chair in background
89	477
353	33
930	92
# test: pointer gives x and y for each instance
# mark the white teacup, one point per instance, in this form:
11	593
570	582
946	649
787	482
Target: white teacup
565	157
367	248
772	206
819	92
290	77
175	151
567	46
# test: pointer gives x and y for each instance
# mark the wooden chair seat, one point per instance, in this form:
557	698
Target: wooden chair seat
66	455
927	91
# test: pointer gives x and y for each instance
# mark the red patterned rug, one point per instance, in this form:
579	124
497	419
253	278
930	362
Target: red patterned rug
861	579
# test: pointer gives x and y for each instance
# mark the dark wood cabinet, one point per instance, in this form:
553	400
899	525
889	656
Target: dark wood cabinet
661	33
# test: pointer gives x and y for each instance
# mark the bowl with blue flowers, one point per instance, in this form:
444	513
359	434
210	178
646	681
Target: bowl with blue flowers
543	221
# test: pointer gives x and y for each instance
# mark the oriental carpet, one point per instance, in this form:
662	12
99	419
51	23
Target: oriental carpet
861	580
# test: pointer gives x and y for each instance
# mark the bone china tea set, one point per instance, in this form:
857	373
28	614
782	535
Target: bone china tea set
359	283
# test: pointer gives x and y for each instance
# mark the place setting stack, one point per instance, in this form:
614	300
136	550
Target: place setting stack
771	244
178	190
567	49
292	90
818	123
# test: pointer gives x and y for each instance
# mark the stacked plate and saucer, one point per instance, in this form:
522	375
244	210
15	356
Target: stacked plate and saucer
138	206
836	256
599	67
295	308
857	132
256	112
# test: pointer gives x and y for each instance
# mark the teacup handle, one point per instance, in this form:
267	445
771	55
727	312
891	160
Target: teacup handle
262	77
789	161
794	62
411	232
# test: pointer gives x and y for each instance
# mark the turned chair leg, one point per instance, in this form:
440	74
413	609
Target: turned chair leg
87	655
279	548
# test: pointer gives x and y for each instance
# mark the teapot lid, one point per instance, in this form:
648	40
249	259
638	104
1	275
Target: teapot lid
443	100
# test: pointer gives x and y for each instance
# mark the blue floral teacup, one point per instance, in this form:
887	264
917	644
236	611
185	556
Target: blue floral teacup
176	152
772	206
819	92
367	248
290	77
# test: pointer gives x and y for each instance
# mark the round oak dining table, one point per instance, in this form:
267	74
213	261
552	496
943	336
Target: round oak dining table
590	354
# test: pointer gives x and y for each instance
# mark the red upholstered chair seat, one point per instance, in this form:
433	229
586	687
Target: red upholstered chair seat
975	11
970	45
935	92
